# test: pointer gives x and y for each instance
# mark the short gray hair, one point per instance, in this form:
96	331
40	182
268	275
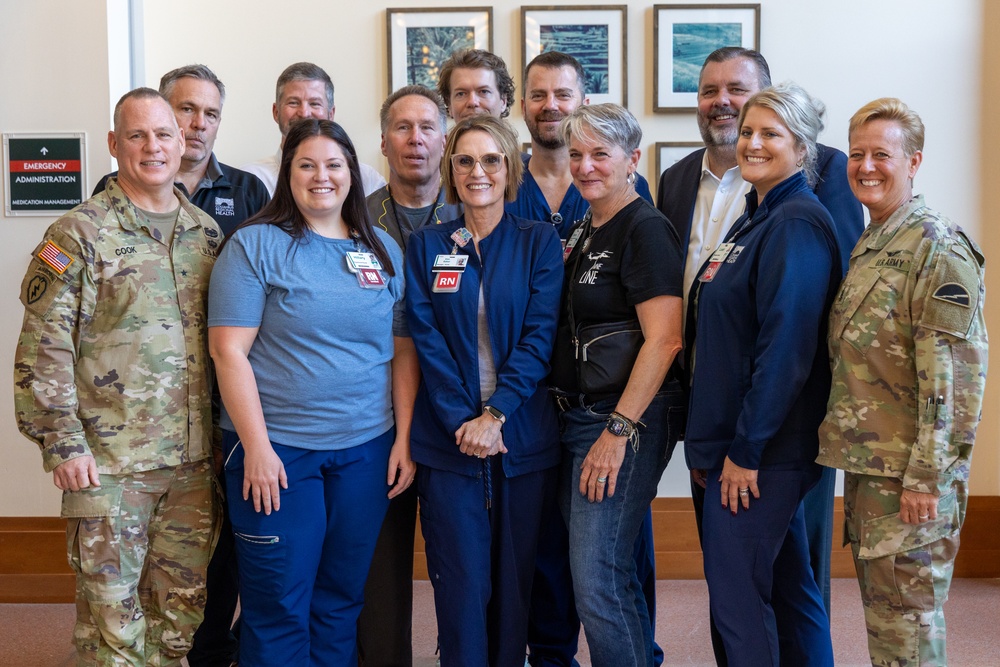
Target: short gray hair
608	122
304	72
142	93
406	91
202	72
800	112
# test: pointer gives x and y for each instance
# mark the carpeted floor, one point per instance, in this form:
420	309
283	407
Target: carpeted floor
39	635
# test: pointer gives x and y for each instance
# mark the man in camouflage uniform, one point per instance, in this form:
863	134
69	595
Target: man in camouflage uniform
112	381
908	347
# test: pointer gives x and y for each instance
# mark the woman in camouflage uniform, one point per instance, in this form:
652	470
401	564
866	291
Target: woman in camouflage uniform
908	350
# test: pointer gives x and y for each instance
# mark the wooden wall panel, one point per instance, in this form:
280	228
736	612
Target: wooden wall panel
33	559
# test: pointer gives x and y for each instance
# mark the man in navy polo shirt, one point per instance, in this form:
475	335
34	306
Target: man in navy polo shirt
227	194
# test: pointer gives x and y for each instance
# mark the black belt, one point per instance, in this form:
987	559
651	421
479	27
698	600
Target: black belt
566	401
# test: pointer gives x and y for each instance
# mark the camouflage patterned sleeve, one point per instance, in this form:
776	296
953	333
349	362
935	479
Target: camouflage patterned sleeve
950	347
45	396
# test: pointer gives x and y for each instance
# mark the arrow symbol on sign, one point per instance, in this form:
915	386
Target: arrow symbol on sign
44	151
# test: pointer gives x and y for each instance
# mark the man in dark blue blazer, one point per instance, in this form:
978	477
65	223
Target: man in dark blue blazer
702	194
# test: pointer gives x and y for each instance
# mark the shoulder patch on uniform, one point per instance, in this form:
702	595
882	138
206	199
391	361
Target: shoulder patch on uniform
40	288
36	288
953	293
55	257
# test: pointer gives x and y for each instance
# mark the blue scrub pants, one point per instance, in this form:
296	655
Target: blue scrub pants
763	596
303	567
818	510
481	561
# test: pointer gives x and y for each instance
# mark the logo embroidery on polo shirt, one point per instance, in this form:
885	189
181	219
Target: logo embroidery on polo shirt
225	206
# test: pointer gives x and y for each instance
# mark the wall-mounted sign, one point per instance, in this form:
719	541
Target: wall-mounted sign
43	172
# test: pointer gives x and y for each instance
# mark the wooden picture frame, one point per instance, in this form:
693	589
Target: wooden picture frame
683	36
419	40
596	35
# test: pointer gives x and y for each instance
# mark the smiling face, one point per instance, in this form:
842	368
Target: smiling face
414	140
477	189
600	170
301	98
878	169
474	91
198	108
722	91
320	179
148	145
767	151
551	94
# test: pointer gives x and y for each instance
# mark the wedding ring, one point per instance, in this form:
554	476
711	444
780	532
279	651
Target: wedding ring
745	492
602	480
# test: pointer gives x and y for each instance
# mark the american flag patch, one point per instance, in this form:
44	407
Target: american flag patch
54	256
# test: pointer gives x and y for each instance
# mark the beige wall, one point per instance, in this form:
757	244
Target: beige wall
845	52
54	77
986	467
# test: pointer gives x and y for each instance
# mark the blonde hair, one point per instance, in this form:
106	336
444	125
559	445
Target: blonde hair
894	110
506	140
800	112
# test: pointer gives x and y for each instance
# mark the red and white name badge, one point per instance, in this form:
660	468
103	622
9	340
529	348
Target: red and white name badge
370	278
446	282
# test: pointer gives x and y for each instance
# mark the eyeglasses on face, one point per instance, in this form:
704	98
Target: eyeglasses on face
464	164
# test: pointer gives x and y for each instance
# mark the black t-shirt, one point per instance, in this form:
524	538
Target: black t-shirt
630	259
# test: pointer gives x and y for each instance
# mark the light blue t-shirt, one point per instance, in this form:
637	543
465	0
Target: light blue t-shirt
323	350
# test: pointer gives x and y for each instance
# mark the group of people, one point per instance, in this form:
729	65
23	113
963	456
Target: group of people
515	343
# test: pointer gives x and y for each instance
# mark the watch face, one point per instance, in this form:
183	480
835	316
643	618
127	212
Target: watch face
616	426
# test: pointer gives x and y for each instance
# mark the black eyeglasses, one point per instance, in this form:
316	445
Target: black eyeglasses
464	164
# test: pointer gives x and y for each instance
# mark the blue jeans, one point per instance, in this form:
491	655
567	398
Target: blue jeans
303	567
609	596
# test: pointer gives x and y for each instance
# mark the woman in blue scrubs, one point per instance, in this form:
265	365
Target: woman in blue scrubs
759	387
317	375
482	299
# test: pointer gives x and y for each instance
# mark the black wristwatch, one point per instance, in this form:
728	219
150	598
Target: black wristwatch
619	425
496	414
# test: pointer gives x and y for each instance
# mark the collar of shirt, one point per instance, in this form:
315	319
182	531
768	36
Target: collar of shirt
212	174
718	204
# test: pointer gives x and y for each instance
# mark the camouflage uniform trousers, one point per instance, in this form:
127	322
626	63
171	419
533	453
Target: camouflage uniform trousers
140	546
904	570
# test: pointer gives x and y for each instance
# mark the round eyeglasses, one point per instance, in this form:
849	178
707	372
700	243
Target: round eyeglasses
464	164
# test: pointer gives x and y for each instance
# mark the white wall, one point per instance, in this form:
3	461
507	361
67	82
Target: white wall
846	52
54	78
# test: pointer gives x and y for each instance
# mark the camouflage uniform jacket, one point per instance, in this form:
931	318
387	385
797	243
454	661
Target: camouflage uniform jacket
112	360
908	350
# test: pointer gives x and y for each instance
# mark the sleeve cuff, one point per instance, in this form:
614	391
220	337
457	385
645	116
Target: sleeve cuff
745	454
64	450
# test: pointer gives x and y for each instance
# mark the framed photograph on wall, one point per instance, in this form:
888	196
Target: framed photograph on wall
666	153
596	35
683	36
420	40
